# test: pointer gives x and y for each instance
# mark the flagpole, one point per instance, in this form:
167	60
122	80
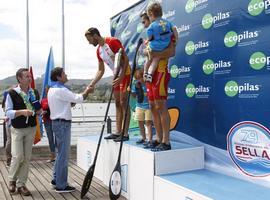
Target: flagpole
27	34
63	35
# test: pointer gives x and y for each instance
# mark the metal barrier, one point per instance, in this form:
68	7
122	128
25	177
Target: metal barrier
81	126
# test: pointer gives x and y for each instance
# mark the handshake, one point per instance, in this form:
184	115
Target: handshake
89	89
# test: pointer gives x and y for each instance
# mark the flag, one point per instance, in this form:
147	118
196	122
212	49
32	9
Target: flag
47	80
38	119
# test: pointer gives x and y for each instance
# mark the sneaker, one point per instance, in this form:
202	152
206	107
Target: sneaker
118	139
145	142
66	189
145	75
8	162
52	158
111	137
140	141
149	78
50	161
151	145
162	147
53	183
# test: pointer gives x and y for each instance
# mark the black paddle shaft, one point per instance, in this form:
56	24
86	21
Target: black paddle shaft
128	97
117	170
89	175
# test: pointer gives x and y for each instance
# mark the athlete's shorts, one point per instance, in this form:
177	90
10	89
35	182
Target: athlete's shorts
143	114
122	87
158	89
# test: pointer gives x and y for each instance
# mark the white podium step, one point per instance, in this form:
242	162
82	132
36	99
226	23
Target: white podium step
139	165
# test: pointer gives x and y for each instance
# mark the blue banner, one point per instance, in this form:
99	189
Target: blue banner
47	79
219	78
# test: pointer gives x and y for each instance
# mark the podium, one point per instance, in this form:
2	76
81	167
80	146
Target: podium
86	150
139	165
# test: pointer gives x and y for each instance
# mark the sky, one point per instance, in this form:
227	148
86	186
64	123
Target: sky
45	18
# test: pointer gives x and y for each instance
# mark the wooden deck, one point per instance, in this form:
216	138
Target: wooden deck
39	183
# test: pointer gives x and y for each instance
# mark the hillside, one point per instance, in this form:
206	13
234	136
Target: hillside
101	93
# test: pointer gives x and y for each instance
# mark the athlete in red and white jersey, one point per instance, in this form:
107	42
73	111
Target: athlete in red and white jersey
106	50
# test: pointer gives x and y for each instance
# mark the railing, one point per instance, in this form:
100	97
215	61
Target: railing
81	126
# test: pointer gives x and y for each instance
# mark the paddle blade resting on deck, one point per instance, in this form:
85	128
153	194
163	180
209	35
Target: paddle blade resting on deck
115	183
87	180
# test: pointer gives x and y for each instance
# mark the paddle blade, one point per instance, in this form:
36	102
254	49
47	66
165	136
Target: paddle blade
115	184
87	181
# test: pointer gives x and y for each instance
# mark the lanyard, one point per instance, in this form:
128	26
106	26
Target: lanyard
27	98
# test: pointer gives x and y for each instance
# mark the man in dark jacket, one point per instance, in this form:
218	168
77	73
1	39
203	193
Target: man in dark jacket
21	108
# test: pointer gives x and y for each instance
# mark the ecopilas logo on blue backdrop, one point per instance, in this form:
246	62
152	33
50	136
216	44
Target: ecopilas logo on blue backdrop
180	72
244	38
195	5
220	67
248	144
218	20
199	92
259	60
183	30
244	90
171	93
256	7
117	25
125	34
169	15
198	48
140	28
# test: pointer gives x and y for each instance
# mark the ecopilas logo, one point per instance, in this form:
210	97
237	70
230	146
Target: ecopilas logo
125	34
140	28
191	4
209	66
208	19
232	38
191	90
176	71
232	88
191	47
133	16
256	7
171	91
259	60
131	47
168	14
117	25
183	28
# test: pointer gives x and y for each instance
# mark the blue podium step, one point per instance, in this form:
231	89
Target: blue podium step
213	185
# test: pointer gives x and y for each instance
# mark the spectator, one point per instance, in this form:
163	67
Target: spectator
48	125
21	108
